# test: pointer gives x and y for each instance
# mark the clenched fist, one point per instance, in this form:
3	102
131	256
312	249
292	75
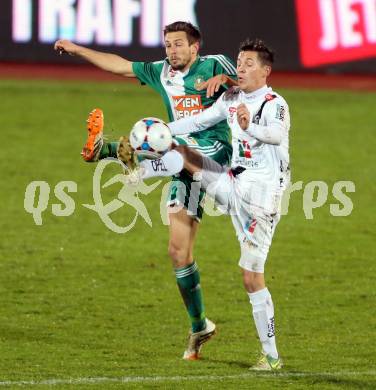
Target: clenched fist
65	46
244	116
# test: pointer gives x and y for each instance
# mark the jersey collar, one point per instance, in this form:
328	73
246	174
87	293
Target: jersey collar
259	92
193	67
188	71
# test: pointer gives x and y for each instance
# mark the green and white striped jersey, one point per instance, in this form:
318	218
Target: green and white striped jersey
178	89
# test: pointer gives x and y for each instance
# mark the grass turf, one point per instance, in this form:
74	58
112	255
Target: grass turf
79	301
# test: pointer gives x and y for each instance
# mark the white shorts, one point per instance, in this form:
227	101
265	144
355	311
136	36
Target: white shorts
254	221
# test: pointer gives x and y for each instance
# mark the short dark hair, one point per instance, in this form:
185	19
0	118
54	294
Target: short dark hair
193	33
265	54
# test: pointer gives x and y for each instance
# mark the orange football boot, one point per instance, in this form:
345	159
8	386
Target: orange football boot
94	143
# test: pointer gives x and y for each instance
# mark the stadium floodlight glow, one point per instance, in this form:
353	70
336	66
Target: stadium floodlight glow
150	25
94	22
22	18
103	22
173	10
124	12
56	18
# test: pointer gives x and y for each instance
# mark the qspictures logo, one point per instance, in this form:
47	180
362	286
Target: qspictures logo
37	198
333	31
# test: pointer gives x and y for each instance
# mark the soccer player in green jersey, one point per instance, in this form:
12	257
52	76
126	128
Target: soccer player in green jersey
188	83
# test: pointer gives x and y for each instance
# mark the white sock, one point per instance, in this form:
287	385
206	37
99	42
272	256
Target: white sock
263	314
169	164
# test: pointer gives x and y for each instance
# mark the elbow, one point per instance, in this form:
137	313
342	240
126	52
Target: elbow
125	68
124	72
275	136
268	135
271	138
276	140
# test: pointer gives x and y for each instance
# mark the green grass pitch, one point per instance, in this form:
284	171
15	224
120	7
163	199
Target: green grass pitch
78	301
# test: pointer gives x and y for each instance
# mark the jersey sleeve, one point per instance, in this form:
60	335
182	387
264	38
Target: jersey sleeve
275	123
223	65
202	121
148	73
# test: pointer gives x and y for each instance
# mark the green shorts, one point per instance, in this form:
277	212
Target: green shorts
184	189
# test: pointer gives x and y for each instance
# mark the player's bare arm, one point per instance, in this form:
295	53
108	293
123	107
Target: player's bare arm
214	83
106	61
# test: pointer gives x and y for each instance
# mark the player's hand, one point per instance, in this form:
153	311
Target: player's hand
212	85
244	116
65	46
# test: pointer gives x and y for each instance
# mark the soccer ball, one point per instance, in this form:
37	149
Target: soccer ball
150	138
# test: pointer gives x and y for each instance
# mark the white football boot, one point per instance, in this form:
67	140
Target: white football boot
195	341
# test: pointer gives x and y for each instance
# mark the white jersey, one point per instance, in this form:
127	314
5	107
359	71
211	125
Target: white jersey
262	149
251	191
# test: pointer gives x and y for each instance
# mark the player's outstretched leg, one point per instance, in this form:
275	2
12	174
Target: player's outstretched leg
95	147
169	164
95	122
126	154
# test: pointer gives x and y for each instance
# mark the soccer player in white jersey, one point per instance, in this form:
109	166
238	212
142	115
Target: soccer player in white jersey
251	189
188	84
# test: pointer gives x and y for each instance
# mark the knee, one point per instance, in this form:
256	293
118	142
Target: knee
173	251
179	255
248	283
253	281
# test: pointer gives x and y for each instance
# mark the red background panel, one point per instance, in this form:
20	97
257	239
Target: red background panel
310	31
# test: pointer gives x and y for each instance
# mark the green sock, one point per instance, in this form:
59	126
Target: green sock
188	279
108	150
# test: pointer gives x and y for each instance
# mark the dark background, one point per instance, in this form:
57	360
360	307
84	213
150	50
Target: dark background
224	24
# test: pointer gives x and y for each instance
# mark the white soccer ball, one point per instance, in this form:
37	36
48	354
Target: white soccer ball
150	138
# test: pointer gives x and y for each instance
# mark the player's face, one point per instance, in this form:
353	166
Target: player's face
251	72
180	53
